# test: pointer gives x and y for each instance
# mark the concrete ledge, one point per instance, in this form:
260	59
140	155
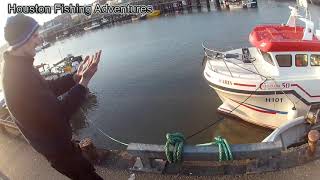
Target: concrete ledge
208	153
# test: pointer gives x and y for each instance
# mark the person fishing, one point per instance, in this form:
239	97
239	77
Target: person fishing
33	102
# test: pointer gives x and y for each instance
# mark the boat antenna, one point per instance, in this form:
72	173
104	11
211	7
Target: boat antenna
304	4
60	53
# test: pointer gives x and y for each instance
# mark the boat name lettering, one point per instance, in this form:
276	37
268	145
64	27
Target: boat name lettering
285	85
274	85
274	100
225	82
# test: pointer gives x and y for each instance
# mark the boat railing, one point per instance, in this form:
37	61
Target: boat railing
214	54
217	55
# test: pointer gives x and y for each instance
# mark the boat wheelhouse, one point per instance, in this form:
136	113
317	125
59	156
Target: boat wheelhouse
272	82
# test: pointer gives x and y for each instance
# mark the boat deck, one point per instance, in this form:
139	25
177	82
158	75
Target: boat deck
235	67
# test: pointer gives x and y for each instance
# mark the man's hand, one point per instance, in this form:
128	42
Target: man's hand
77	76
88	68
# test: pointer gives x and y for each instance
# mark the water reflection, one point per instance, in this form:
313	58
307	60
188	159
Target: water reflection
238	131
79	119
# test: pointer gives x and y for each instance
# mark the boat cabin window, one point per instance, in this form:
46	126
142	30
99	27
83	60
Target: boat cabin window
315	60
301	60
267	57
284	60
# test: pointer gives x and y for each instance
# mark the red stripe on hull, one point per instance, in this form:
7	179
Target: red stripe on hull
262	111
247	85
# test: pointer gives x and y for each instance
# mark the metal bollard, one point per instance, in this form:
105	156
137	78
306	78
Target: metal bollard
313	137
88	149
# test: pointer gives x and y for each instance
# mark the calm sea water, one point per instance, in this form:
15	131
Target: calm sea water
150	78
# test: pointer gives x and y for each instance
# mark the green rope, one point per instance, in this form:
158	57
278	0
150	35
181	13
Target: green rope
225	153
174	147
175	142
224	149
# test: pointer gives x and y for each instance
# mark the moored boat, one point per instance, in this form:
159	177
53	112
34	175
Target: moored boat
143	16
273	81
236	4
135	18
67	65
154	13
45	45
93	25
104	21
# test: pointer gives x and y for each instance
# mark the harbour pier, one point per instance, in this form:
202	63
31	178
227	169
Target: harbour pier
165	6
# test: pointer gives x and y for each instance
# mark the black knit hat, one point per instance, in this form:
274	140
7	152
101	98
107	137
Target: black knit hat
19	29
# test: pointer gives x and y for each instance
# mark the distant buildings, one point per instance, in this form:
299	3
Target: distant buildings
64	21
58	23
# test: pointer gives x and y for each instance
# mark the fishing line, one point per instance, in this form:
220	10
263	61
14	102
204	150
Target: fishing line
101	131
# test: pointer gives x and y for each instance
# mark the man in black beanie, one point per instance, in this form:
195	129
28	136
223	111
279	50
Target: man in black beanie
32	101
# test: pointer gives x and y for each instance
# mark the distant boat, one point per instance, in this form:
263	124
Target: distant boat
143	16
65	33
233	4
104	21
93	26
135	18
44	45
249	3
154	13
67	65
236	4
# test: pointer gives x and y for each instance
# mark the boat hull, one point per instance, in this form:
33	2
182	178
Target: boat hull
263	104
267	110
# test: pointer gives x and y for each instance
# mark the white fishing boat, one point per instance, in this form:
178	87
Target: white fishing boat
93	25
275	80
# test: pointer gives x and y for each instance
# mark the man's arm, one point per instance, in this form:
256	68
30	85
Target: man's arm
42	116
72	99
62	84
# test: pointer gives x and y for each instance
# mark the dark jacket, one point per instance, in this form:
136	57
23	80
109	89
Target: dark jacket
42	118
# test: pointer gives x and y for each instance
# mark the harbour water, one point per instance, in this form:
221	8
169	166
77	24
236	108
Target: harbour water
150	78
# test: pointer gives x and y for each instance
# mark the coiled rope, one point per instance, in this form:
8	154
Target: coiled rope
176	141
225	153
174	147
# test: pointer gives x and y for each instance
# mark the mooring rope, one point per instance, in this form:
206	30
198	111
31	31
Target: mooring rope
174	147
225	153
175	143
230	112
176	140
